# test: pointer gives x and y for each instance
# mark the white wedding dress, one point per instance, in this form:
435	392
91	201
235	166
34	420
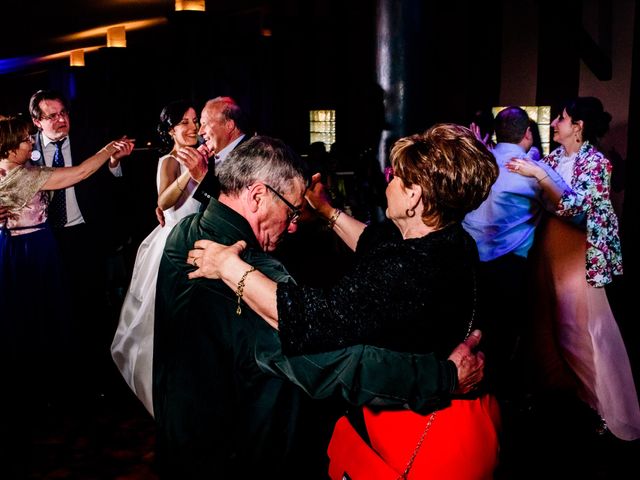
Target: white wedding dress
132	346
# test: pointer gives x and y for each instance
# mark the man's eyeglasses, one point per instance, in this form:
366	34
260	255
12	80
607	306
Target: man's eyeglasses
55	116
294	212
389	173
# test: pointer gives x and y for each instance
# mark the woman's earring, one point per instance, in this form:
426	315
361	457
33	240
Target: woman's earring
410	212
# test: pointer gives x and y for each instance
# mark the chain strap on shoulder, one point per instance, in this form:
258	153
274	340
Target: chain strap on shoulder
404	475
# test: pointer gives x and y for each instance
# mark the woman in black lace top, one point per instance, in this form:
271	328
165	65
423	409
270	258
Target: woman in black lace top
412	289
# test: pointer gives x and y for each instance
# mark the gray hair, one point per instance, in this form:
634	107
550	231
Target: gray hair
261	159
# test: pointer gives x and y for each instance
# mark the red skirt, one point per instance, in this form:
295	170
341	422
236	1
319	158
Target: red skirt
460	444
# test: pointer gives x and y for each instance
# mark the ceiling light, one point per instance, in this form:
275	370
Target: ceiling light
193	5
76	58
116	36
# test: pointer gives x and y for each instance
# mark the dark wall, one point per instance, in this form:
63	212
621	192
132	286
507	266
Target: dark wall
459	63
321	55
630	221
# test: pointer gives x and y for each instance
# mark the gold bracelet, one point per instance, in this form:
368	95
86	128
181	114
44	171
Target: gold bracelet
543	178
334	217
178	184
240	289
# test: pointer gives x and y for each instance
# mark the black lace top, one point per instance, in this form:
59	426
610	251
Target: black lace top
413	295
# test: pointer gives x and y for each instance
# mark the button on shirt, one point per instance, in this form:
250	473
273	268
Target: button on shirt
505	222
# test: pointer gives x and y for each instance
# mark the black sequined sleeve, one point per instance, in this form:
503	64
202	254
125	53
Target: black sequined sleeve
358	308
396	296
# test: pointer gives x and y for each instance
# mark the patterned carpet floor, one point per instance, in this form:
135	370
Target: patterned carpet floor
114	442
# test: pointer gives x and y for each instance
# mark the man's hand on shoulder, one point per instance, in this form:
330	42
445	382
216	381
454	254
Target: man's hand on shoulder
470	364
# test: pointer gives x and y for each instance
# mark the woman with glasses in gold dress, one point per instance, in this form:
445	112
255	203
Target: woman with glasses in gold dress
34	309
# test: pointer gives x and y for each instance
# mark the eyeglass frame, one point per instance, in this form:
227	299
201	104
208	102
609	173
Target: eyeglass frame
295	211
52	117
29	139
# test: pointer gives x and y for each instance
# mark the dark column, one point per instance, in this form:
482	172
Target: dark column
397	22
630	223
559	51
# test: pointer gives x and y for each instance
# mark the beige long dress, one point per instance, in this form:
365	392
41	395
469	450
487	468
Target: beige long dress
576	341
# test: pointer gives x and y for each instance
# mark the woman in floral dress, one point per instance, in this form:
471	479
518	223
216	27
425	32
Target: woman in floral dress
578	254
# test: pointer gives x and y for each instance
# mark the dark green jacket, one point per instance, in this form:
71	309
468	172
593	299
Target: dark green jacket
221	413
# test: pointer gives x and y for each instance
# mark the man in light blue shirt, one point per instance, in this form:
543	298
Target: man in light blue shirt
505	222
503	227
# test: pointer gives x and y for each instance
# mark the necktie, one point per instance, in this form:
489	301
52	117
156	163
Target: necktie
58	205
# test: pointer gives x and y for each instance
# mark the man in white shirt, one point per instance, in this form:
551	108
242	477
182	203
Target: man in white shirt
82	220
223	126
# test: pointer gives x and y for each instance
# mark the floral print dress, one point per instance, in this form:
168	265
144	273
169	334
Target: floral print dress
589	197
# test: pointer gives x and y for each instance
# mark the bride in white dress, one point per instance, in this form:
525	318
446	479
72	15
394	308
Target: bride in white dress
132	347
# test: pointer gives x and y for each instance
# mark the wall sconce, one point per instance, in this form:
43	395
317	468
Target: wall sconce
265	23
193	5
76	58
116	36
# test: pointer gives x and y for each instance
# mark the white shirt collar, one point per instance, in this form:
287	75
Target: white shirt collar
222	154
46	140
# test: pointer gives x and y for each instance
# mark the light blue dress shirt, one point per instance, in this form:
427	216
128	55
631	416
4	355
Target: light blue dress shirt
505	222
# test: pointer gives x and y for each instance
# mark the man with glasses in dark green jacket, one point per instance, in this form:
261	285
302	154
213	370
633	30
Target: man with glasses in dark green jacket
220	412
